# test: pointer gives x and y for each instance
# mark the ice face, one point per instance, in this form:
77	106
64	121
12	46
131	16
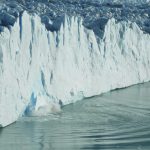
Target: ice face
40	69
48	60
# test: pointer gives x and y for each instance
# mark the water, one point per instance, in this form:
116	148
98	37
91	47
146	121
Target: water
118	120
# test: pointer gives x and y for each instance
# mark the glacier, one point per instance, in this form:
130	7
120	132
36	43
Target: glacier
42	70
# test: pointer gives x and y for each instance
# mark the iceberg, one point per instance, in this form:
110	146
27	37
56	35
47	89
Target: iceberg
45	66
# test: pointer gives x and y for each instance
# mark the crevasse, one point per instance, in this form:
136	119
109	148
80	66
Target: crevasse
41	70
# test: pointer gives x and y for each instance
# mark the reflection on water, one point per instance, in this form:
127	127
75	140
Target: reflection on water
114	121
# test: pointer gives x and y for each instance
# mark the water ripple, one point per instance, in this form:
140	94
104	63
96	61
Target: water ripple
118	120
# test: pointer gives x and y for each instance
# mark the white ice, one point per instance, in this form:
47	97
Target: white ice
39	69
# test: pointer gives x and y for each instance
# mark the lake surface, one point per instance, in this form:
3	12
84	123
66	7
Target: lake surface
118	120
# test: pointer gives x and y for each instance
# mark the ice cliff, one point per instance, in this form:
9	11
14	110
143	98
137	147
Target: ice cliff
46	64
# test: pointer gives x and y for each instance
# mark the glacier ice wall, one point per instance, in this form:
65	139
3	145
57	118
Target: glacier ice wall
42	70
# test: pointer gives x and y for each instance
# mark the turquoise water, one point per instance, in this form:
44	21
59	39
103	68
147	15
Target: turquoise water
118	120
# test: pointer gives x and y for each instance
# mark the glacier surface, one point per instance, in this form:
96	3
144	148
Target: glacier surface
42	70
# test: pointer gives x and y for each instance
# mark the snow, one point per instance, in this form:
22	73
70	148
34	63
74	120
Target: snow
40	69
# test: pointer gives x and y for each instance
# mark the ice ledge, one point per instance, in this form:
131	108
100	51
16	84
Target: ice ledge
42	70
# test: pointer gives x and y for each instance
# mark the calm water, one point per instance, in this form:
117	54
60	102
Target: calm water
114	121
